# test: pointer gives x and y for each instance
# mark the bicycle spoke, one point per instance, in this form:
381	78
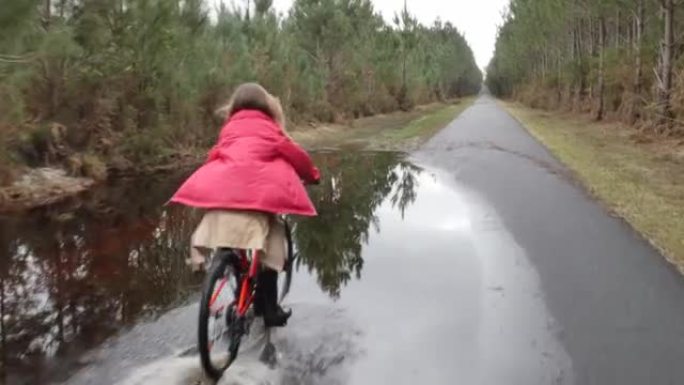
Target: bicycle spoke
217	291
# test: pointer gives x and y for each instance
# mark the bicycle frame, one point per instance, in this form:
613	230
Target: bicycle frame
246	296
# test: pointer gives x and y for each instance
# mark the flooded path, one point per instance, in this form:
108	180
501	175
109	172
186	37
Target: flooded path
403	277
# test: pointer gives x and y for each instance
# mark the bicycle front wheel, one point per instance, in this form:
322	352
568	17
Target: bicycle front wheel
218	332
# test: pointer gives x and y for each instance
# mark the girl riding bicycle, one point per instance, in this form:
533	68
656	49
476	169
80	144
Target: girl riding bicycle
252	174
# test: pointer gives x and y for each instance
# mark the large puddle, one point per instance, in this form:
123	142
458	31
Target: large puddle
402	278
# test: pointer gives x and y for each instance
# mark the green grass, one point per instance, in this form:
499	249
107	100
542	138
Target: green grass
398	131
428	125
639	179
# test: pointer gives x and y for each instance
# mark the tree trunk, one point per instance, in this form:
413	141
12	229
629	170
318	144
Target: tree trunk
592	38
48	14
593	51
630	34
580	36
638	73
3	333
544	61
581	83
617	29
601	75
559	82
666	56
573	45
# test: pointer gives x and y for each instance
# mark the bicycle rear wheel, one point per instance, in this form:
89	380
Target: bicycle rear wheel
218	331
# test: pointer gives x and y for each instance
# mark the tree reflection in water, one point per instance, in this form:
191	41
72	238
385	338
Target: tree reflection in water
71	275
352	188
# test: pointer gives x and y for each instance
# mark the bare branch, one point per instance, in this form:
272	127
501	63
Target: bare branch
657	77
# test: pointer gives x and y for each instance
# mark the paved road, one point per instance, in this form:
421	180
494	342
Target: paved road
501	271
618	306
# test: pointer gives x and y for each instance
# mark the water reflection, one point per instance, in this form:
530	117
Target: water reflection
72	275
353	186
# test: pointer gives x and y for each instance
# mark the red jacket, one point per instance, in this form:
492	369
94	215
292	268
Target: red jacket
254	166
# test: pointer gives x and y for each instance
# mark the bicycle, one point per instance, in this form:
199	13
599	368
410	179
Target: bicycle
226	303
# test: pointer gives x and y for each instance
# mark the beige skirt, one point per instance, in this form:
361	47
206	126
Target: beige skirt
240	230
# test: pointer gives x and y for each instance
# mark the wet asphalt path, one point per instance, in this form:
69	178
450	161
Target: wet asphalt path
618	306
502	270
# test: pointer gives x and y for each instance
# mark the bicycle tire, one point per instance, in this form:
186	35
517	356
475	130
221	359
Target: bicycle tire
220	269
289	262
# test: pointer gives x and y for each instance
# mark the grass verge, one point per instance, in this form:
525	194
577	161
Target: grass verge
400	131
427	125
639	178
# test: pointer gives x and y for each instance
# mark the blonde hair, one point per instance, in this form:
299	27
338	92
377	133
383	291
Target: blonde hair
252	96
